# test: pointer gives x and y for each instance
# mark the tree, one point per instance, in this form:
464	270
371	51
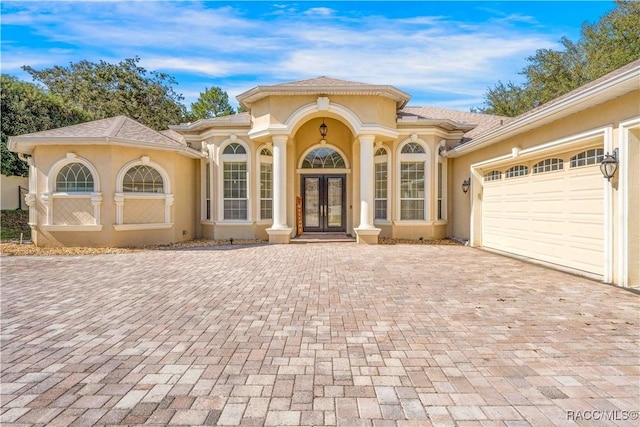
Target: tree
26	108
212	102
105	90
612	42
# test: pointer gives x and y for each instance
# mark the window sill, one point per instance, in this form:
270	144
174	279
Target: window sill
72	227
234	223
412	222
134	227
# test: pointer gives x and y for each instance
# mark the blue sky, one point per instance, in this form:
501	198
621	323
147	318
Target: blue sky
443	53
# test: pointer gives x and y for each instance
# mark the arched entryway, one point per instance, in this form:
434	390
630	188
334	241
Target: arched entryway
323	189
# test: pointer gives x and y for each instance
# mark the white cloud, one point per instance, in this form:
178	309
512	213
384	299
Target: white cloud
423	55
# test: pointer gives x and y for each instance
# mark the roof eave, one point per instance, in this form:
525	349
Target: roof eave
25	145
597	94
401	98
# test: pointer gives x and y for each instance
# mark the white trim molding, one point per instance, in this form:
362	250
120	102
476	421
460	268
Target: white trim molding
120	197
624	180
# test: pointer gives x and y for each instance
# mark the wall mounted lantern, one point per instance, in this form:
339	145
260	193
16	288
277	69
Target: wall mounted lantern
609	165
465	185
323	129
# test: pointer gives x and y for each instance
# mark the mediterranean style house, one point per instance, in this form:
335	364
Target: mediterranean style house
327	155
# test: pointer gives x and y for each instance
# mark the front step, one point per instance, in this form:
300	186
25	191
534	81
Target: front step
323	238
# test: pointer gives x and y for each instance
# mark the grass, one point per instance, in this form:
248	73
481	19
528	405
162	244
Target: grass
14	222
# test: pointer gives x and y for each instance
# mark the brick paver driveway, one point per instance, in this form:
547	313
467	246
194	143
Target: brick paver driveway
316	334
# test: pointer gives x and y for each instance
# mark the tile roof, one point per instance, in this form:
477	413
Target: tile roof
323	81
483	122
119	127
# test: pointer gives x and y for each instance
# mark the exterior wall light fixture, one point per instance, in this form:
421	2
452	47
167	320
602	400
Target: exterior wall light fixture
465	185
323	129
609	165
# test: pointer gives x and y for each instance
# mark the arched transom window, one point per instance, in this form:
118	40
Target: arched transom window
74	177
142	179
323	158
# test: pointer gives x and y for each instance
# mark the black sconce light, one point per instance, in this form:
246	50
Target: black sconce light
609	165
323	129
465	185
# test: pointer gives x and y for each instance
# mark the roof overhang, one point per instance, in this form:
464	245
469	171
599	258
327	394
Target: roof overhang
26	144
259	92
596	93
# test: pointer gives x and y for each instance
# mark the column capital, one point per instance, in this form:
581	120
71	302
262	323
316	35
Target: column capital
366	139
280	139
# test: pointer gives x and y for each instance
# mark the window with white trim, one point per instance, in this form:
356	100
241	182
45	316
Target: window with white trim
74	199
207	189
381	160
548	165
323	158
266	184
516	171
440	192
492	176
235	176
413	161
588	157
142	179
74	177
143	199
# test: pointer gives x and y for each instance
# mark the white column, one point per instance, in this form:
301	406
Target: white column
279	232
366	233
279	181
366	182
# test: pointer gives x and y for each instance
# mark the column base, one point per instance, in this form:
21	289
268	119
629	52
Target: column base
367	236
279	236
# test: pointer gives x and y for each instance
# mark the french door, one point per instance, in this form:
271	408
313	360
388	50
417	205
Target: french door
323	203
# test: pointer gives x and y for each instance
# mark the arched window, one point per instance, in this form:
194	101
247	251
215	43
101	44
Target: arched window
266	184
74	199
548	165
493	176
74	177
412	147
143	198
588	157
142	179
516	171
235	179
323	158
234	148
381	191
413	190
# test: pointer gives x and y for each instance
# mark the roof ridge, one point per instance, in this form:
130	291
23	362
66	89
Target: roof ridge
116	126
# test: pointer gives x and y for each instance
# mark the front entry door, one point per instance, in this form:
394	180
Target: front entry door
323	203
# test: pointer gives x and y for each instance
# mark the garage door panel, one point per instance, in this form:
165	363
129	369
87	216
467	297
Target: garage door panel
557	217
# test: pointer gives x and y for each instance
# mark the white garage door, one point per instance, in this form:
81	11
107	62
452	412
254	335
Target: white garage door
557	217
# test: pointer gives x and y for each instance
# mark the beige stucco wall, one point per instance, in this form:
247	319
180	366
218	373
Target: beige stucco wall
9	190
607	114
108	160
369	109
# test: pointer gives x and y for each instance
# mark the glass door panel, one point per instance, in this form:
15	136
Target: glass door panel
323	201
311	202
334	202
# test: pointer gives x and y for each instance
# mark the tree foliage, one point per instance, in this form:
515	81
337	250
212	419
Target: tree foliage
26	108
213	102
105	90
604	46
